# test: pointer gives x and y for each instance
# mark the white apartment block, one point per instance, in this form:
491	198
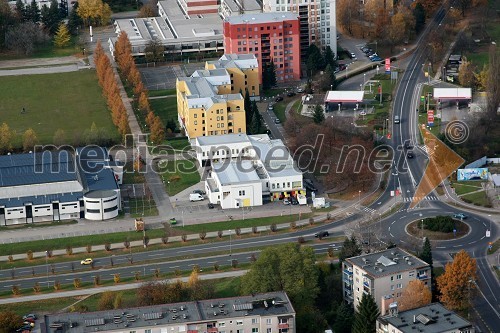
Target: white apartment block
245	168
318	22
384	275
259	313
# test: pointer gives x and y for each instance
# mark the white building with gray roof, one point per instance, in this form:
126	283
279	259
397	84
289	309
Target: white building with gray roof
384	275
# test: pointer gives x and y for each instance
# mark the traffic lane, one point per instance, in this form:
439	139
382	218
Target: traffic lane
149	269
269	117
187	250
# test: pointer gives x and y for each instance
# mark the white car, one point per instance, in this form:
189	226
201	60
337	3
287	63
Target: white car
87	261
353	56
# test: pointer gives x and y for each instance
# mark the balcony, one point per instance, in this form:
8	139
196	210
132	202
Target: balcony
212	330
282	326
422	276
348	272
366	284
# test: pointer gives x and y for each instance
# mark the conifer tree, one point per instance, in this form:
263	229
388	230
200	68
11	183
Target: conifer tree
366	315
62	37
318	115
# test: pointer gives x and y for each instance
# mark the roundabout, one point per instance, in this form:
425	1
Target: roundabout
460	229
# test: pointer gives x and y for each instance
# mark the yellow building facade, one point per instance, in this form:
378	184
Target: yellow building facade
209	101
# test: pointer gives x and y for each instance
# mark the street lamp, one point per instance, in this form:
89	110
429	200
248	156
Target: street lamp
230	242
360	86
47	266
422	225
364	79
395	174
359	198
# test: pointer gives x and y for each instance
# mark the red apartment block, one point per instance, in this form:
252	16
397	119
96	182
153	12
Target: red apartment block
270	36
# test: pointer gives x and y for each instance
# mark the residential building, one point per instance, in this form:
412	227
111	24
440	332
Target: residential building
178	32
384	275
59	185
318	22
209	101
246	168
432	318
271	37
260	313
238	7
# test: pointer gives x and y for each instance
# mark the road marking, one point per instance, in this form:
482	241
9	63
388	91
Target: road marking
174	267
402	217
457	245
393	222
483	237
472	242
391	235
440	247
155	254
389	229
484	224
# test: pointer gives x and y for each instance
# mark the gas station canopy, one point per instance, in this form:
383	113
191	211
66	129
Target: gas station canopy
354	96
452	93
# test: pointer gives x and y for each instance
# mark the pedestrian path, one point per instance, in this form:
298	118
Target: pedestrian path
427	198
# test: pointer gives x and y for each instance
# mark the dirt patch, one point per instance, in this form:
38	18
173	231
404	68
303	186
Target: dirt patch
414	230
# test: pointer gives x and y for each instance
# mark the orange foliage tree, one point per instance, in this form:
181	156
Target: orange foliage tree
415	295
458	281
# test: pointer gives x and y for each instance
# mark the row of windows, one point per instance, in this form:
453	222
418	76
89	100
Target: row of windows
277	185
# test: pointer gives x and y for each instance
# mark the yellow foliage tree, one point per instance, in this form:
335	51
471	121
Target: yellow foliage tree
29	139
466	74
482	78
6	136
457	282
94	12
62	37
415	295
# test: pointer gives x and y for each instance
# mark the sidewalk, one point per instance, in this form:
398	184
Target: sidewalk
117	287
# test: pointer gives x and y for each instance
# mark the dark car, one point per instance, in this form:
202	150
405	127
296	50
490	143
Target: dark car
210	205
322	234
277	121
342	67
408	145
30	315
278	99
409	154
200	192
460	216
291	94
294	201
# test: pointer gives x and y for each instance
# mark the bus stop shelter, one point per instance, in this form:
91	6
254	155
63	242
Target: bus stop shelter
334	100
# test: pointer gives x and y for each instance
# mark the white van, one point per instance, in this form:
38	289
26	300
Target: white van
195	197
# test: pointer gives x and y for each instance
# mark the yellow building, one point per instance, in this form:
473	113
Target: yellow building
209	102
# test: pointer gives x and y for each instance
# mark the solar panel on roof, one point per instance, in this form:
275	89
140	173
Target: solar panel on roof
243	306
94	322
152	316
424	319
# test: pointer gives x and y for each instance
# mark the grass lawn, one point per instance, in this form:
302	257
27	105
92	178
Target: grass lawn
240	223
272	92
227	287
47	51
40	306
178	175
72	102
142	207
161	92
466	187
165	108
478	199
132	177
279	111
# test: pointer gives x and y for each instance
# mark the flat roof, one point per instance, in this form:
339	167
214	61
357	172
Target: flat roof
452	93
222	139
231	172
41	199
432	318
268	304
235	5
262	18
351	96
387	262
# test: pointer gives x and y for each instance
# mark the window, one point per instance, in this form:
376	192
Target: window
400	286
398	276
239	322
392	278
222	324
242	193
255	330
255	320
269	321
269	330
195	116
147	331
392	287
196	122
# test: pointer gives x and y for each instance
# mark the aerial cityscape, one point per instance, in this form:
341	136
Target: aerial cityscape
250	166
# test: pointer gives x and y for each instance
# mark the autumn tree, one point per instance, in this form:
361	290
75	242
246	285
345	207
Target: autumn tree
366	315
6	137
415	295
457	282
59	137
106	301
454	15
482	78
29	139
62	37
493	84
347	12
150	9
94	12
466	75
157	131
9	321
123	53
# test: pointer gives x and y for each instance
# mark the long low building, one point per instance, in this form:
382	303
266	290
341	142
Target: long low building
246	168
264	313
177	31
54	186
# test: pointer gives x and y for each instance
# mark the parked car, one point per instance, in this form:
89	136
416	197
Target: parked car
173	221
200	192
300	90
291	94
353	56
409	154
342	67
278	99
277	121
210	205
87	261
270	107
461	216
373	55
376	59
286	201
196	197
396	120
322	234
30	316
294	201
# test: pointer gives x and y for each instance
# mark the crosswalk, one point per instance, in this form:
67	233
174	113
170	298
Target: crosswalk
369	210
427	198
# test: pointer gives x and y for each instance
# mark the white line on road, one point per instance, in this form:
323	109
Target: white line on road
393	222
155	254
174	267
440	247
391	235
472	242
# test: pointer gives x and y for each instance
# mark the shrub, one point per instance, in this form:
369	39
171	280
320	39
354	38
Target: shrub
328	216
117	303
253	258
11	258
203	235
29	255
273	227
137	276
439	223
69	250
216	266
89	248
48	253
237	231
106	301
157	273
97	280
77	283
116	277
330	252
293	225
184	238
15	290
234	263
220	233
126	243
164	239
107	246
311	221
301	240
36	287
177	272
254	229
57	285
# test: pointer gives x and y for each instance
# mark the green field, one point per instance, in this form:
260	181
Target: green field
161	92
142	207
165	108
179	175
467	187
477	198
69	101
